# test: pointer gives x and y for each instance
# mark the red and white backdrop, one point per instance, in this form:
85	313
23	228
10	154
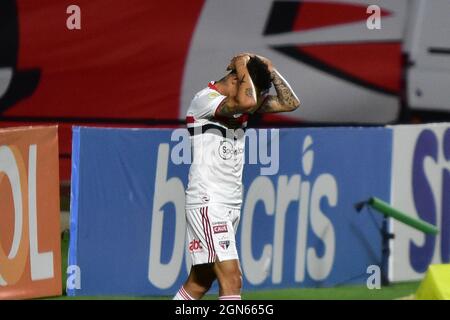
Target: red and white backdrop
139	62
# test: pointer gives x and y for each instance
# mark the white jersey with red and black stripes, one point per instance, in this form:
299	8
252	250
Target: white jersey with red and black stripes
215	175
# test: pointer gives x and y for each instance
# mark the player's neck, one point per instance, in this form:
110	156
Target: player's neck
221	87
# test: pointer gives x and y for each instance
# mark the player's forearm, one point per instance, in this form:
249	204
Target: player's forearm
285	94
246	95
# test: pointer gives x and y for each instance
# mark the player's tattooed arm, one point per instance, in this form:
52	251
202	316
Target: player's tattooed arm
285	93
249	92
246	96
286	100
245	101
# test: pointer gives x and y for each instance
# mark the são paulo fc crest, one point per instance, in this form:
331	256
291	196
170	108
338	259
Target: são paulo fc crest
224	244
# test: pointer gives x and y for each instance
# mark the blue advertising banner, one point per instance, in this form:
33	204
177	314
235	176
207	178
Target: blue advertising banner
298	224
421	181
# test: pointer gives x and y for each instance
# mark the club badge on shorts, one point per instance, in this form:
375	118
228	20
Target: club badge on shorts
224	244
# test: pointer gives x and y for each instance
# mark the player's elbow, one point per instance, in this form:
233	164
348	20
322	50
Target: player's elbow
293	105
296	105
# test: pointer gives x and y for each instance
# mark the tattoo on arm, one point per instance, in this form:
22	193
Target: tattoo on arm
268	103
285	94
249	92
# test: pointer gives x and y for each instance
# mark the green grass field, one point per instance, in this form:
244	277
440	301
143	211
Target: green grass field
355	292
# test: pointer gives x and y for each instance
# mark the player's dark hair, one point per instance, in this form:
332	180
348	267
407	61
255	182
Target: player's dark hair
233	71
260	73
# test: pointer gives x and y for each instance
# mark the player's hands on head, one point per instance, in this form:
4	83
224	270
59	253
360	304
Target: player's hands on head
240	59
267	61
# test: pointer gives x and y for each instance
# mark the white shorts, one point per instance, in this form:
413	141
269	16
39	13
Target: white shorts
211	233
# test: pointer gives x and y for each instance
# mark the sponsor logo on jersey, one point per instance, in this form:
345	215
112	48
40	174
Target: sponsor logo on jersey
195	245
220	228
227	150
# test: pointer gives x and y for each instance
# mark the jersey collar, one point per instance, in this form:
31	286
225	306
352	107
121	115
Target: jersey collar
212	86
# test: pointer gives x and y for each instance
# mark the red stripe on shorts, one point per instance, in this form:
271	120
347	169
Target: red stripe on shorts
205	231
210	232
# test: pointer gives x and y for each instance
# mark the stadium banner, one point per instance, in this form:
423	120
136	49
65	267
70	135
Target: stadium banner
421	188
121	66
30	253
148	73
298	228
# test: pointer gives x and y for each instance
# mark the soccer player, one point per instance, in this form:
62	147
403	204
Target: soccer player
216	118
